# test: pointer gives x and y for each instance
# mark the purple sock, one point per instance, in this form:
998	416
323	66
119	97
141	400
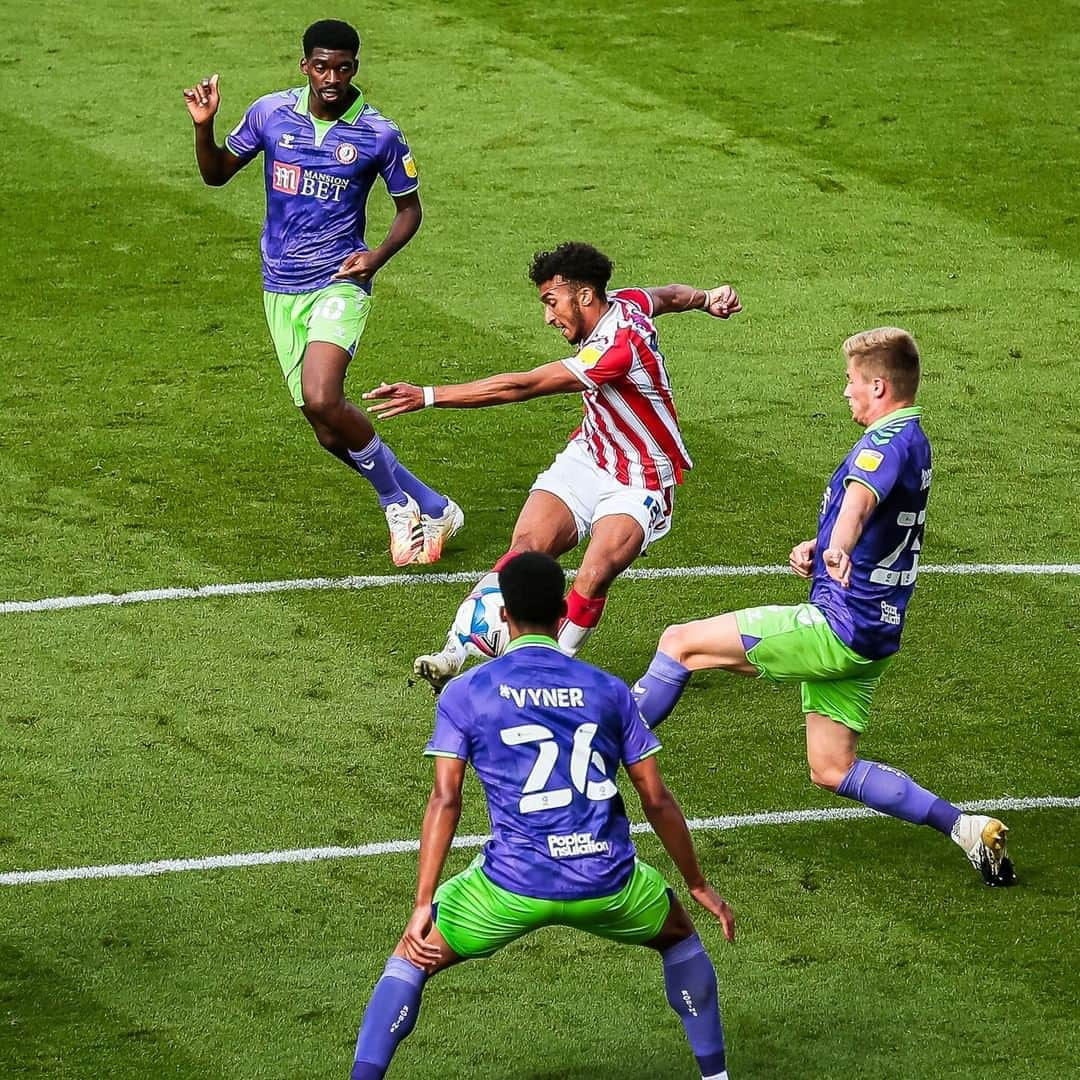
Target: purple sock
690	982
428	499
659	689
371	464
389	1017
888	790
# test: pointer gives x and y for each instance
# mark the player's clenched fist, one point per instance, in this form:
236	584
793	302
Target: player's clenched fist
722	302
203	99
391	399
801	559
838	565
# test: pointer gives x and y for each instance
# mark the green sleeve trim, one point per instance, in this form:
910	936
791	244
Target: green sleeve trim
648	754
445	754
865	483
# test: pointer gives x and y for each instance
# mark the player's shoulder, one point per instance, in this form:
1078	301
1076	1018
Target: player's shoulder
634	298
378	123
276	100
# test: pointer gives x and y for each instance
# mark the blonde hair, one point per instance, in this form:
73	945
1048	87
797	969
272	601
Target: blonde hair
887	353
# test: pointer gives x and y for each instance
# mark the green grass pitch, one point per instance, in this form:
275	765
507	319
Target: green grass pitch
845	164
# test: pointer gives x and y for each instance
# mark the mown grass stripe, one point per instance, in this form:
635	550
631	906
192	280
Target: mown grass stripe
397	847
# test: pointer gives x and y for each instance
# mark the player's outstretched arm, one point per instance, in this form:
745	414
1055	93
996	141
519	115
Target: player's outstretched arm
855	510
436	834
666	817
721	302
395	398
216	164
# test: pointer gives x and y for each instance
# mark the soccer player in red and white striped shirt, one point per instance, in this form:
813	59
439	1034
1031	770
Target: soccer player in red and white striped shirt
615	481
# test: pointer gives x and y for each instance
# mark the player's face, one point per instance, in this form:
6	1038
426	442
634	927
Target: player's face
562	308
862	392
329	73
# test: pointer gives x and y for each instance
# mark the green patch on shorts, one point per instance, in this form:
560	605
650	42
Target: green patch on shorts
478	918
796	644
336	313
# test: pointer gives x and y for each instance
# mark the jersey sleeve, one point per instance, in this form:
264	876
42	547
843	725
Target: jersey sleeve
601	361
638	742
398	169
638	297
245	140
449	738
877	468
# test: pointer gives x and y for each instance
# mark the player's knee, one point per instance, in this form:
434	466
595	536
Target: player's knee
827	774
674	642
324	409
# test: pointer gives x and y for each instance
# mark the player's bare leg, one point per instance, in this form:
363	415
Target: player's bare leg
347	433
394	1005
616	542
544	524
684	649
690	982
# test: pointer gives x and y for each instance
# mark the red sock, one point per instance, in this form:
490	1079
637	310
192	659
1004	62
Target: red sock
502	560
582	616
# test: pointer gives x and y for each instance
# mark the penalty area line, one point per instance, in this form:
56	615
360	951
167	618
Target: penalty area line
397	847
463	577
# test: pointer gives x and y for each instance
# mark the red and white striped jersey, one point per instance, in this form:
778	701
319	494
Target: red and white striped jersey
630	428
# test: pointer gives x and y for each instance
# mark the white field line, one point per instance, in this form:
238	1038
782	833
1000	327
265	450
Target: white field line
381	581
397	847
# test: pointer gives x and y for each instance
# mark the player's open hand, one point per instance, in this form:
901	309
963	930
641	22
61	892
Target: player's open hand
716	906
838	565
203	99
391	399
360	267
722	302
418	950
801	559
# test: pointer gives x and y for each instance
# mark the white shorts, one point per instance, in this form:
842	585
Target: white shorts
590	494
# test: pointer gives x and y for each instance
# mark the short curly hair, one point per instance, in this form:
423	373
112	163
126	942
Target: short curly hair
333	35
579	263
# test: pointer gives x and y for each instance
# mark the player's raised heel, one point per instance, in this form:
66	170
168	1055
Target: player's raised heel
983	840
406	532
437	530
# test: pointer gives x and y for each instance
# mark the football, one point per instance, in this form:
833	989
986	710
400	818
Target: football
479	626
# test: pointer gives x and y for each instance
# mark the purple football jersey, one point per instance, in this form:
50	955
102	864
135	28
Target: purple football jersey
318	176
893	460
546	734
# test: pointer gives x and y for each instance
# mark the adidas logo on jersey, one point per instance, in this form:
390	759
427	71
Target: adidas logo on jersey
547	697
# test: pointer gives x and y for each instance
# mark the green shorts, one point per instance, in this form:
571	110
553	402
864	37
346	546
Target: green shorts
478	918
796	644
336	313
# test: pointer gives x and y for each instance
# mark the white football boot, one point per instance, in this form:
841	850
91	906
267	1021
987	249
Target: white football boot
983	841
440	667
437	530
406	532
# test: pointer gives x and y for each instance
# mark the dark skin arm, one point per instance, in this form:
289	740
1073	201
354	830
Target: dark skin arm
437	832
363	265
721	302
553	378
217	165
666	818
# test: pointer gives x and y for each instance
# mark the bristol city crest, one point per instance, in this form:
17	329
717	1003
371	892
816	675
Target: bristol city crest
345	153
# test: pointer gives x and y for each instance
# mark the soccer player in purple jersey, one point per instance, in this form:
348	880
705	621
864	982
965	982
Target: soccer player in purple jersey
323	146
862	565
546	734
